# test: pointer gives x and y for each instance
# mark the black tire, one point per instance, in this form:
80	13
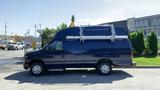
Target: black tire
40	66
15	48
104	68
3	48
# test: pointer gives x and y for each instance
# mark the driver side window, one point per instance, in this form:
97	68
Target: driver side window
56	45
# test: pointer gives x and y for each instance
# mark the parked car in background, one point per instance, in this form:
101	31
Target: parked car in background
100	47
27	46
15	46
3	45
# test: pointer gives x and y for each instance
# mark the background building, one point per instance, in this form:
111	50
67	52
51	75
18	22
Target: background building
122	23
147	23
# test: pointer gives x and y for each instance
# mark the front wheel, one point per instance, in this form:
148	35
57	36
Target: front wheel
104	68
37	68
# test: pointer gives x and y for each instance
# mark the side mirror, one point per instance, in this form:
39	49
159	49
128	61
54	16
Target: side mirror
49	48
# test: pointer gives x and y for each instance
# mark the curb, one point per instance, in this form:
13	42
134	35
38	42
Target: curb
149	67
134	66
146	67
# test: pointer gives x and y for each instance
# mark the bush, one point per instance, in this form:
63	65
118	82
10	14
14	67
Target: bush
137	41
158	45
132	38
152	44
140	47
147	50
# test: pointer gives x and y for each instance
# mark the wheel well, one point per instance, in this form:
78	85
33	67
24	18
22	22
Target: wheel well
35	61
105	60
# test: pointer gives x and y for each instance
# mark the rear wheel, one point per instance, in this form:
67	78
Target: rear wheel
37	68
104	68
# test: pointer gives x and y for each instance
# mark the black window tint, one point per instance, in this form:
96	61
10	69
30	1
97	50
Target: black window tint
73	46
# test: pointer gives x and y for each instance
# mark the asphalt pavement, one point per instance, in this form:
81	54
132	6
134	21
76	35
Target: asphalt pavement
14	77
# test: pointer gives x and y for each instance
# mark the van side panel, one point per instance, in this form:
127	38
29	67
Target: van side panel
87	53
90	51
123	50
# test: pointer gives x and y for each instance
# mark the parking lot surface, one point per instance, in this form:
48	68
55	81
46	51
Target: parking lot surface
14	77
11	54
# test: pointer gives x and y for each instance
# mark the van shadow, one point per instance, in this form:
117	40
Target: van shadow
84	77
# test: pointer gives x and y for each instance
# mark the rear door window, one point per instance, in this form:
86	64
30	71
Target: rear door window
73	46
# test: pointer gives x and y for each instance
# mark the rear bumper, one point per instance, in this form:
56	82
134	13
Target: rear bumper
124	63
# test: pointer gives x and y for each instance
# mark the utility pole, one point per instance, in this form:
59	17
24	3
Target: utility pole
5	30
28	32
40	26
40	37
35	26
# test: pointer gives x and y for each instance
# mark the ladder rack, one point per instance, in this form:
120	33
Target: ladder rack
82	37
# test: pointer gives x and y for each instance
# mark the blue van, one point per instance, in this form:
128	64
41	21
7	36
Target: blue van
100	47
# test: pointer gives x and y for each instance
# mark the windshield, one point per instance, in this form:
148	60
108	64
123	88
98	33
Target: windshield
47	44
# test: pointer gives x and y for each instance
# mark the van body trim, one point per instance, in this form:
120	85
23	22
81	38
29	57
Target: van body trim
95	37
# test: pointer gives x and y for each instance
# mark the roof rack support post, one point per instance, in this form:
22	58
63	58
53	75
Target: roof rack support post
113	33
81	34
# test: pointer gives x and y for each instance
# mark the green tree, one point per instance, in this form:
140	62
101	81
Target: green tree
152	43
140	42
48	34
147	50
62	27
132	38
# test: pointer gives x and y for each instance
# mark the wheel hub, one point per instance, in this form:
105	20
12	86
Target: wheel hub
105	68
36	69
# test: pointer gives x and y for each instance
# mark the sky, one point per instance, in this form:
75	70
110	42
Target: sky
21	15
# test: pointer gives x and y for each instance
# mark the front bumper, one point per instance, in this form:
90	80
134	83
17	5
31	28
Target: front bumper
25	65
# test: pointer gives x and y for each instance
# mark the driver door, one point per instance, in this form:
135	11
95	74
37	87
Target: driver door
54	54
